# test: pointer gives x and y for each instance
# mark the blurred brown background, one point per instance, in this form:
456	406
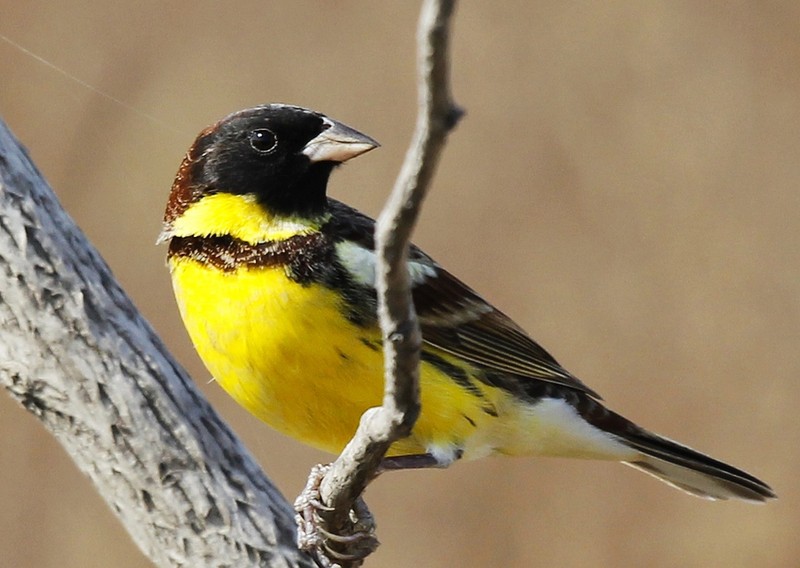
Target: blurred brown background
625	185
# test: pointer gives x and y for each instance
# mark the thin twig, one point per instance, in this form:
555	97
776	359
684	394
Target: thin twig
380	427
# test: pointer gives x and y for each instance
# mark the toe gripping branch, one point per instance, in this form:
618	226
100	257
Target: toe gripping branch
328	549
331	550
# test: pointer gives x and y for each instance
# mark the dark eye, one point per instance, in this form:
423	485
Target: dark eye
263	140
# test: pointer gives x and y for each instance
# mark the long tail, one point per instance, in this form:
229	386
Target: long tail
694	472
674	463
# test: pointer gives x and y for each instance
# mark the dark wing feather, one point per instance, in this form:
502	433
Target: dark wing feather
456	320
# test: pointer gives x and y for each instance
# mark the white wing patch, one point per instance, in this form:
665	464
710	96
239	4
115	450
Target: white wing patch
361	262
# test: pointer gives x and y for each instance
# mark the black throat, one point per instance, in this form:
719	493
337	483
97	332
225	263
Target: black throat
306	197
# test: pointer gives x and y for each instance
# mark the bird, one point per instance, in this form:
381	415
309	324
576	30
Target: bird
275	283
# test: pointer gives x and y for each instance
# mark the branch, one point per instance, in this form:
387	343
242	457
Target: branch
78	355
380	427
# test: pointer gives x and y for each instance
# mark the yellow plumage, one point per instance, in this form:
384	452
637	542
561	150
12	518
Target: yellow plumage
287	353
275	284
239	216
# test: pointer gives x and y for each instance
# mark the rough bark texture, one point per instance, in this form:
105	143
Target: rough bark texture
77	354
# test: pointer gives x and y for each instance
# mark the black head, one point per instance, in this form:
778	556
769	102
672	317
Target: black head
281	154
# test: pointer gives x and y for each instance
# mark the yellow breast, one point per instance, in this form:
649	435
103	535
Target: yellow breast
286	353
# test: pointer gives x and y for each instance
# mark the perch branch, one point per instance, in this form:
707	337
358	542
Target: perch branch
77	354
349	475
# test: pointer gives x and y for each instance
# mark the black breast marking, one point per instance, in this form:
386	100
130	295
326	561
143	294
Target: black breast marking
307	259
305	256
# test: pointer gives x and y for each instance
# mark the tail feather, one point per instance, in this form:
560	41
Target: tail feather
671	462
693	472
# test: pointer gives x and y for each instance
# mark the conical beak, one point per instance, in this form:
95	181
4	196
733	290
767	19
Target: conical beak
338	143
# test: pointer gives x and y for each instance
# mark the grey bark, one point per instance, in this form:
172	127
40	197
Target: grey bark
78	355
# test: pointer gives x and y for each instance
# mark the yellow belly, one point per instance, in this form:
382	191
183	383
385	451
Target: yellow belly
285	352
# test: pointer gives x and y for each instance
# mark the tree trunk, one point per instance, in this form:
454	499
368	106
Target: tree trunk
76	353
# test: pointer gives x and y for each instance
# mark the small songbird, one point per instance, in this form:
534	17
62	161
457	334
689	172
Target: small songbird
275	283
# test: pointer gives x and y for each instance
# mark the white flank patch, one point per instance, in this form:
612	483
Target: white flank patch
360	263
552	427
445	455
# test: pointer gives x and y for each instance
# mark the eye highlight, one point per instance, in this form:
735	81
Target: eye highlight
263	140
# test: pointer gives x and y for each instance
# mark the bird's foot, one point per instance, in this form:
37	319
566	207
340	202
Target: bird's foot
332	550
416	461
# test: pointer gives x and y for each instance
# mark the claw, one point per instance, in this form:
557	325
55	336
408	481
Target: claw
342	556
328	547
344	539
